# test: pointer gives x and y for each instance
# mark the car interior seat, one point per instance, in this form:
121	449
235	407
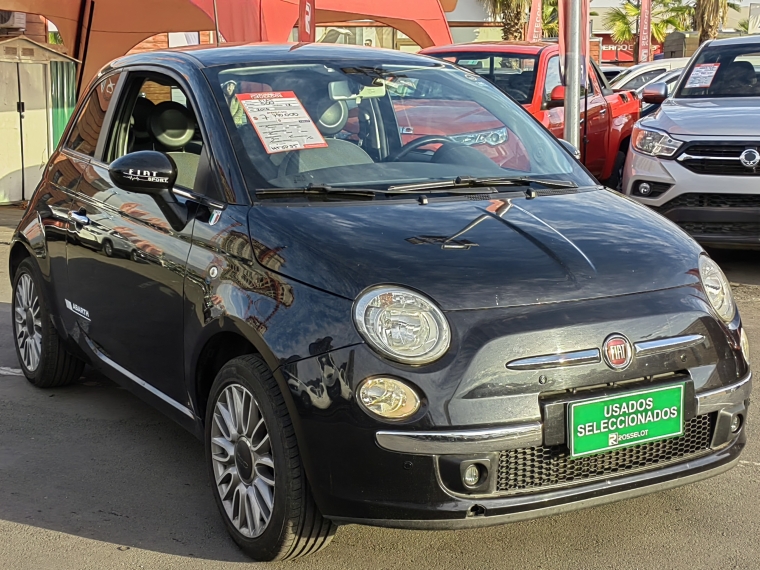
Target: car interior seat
330	117
172	126
737	77
139	134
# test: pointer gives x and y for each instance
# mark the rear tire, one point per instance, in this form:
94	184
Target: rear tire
615	181
43	357
258	481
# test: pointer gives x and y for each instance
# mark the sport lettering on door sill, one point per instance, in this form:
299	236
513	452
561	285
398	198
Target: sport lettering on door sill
281	121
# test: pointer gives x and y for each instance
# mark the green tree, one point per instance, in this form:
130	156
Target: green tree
667	15
743	26
550	18
512	15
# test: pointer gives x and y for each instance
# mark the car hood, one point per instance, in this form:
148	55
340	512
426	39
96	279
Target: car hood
708	117
478	254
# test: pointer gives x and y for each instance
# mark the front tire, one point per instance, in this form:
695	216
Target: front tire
42	354
252	454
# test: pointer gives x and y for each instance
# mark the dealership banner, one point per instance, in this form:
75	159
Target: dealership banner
645	34
307	21
535	30
564	6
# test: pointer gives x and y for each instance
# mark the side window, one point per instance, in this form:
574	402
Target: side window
553	78
88	124
644	78
155	114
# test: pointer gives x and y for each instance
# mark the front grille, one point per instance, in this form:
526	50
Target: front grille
712	201
723	161
721	229
535	469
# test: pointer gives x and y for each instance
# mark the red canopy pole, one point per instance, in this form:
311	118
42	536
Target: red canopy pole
307	21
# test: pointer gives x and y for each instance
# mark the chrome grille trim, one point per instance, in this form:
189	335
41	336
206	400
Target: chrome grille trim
665	344
589	356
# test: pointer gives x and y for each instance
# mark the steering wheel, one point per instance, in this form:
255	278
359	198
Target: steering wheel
415	144
517	94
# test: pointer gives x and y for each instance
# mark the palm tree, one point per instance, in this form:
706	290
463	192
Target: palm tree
743	26
512	16
667	15
709	15
550	18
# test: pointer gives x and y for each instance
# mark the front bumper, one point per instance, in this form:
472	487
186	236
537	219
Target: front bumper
470	512
711	222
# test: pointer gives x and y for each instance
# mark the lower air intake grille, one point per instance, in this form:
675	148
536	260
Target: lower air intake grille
534	469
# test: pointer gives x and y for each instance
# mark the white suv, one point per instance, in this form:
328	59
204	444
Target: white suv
697	159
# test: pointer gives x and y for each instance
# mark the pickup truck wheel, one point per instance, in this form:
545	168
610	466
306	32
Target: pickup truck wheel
43	357
615	181
255	467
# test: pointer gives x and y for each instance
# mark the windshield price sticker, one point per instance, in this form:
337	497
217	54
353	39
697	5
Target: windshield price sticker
702	75
608	423
281	121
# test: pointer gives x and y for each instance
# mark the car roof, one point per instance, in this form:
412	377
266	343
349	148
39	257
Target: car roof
502	46
736	41
252	53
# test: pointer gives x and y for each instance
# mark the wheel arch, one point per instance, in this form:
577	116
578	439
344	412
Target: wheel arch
19	252
222	340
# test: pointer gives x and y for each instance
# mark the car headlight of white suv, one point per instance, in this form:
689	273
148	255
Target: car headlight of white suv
717	289
654	143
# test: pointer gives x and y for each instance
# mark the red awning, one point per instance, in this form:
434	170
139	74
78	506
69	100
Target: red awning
119	25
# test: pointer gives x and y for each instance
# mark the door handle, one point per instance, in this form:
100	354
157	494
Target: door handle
603	111
79	218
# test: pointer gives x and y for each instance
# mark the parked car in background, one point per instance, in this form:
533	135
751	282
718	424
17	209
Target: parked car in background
669	79
364	330
697	160
611	71
638	75
530	74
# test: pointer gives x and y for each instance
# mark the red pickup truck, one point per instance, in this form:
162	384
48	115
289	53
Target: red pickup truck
530	74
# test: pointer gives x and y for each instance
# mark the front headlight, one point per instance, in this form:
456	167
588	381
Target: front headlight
492	138
654	143
717	288
402	325
744	344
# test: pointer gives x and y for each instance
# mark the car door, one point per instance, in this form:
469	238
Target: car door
126	263
595	126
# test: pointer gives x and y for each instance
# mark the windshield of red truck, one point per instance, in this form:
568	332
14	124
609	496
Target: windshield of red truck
513	73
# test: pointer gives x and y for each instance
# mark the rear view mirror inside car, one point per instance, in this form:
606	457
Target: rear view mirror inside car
341	91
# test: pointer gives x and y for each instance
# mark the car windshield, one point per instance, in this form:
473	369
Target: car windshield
722	71
366	124
513	73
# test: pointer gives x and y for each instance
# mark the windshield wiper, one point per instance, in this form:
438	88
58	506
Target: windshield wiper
322	189
473	182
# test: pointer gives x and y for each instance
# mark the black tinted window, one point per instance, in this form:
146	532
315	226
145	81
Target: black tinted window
88	124
723	71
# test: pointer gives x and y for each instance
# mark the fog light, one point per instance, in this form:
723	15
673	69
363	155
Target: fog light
736	423
644	189
744	344
472	475
388	398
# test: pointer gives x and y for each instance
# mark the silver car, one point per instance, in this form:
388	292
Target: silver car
697	159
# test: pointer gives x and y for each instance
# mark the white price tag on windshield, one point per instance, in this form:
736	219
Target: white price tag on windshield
702	75
281	121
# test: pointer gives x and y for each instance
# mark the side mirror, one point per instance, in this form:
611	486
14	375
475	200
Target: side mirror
152	173
655	93
556	97
144	172
570	147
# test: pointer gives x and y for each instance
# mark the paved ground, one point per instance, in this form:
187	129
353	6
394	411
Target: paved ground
90	477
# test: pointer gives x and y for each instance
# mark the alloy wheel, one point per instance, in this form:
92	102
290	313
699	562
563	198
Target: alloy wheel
243	466
28	322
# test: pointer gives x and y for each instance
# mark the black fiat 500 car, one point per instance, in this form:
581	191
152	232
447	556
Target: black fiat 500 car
378	290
